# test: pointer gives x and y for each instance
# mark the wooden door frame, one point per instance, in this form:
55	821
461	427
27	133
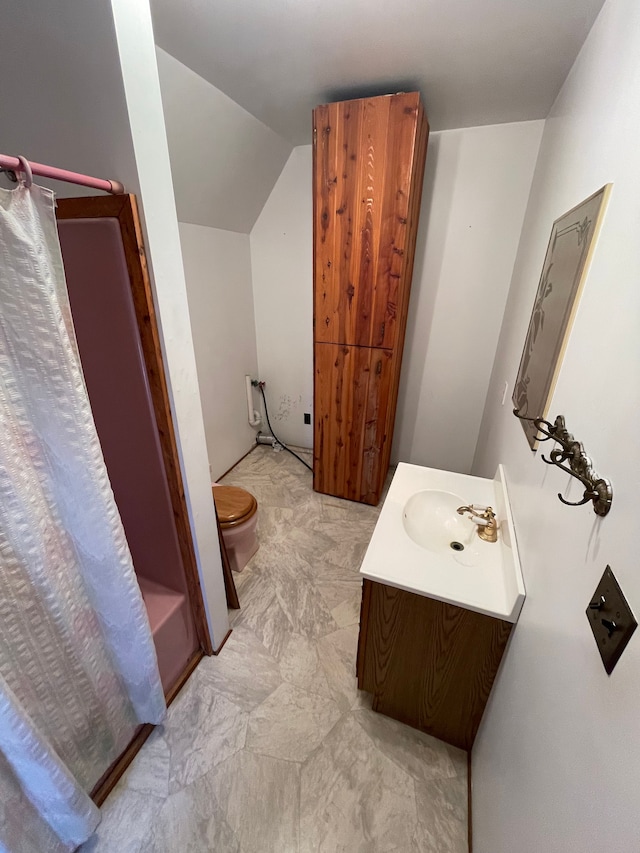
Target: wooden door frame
124	208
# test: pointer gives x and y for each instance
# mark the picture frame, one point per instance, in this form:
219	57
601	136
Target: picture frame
569	252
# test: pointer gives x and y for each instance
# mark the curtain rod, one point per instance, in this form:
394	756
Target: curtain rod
12	163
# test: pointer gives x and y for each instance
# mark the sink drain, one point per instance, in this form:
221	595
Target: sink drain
456	546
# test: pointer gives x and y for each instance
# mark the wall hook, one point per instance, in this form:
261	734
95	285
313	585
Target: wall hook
548	430
597	489
588	496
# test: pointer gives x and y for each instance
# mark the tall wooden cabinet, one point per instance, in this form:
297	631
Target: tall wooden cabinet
368	167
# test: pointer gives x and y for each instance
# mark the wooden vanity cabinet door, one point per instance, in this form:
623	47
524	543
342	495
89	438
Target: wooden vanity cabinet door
351	401
428	664
368	165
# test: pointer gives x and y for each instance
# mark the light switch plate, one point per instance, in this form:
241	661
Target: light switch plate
611	620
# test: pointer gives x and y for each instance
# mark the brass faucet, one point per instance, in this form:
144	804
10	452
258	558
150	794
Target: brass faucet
485	518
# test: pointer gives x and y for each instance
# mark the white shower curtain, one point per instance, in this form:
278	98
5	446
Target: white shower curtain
78	670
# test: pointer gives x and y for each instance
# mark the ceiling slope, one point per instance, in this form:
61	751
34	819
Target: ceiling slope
476	62
224	161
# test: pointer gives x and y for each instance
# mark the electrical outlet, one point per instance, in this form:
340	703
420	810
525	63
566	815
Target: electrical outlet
307	418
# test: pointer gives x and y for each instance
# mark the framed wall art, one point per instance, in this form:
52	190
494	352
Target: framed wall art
571	244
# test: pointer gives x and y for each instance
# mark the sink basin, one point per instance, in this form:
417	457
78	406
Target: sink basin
431	520
421	544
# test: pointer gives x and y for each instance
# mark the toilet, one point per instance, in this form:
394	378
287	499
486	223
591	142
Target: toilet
238	514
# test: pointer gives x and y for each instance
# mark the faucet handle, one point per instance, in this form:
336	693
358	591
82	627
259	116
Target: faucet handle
477	510
485	519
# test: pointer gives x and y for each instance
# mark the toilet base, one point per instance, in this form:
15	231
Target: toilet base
241	543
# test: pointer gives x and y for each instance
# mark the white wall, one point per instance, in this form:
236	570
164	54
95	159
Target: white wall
224	164
136	48
77	95
217	266
224	161
281	263
475	194
556	763
71	111
476	188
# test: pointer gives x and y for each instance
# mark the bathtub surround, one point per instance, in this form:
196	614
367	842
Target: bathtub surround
270	747
556	759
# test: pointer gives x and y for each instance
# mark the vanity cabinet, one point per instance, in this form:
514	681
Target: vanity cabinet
368	166
428	664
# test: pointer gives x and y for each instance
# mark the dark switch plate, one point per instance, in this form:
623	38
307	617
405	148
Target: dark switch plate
611	620
307	418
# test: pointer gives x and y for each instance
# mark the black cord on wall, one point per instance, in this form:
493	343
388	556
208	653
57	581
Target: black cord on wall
266	411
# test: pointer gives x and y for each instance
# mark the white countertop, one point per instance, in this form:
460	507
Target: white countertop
492	585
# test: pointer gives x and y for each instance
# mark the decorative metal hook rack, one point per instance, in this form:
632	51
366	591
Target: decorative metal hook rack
596	489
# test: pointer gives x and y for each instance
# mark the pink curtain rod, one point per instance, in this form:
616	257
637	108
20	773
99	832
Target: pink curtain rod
114	187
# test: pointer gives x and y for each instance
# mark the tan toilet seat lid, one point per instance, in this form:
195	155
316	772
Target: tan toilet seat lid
233	505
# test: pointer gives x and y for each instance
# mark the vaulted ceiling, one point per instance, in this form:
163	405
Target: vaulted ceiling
224	162
475	61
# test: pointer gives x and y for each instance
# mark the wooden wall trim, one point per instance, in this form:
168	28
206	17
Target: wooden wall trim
124	208
110	779
223	643
469	809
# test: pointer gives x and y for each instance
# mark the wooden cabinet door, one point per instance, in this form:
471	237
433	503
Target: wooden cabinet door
368	165
428	664
351	404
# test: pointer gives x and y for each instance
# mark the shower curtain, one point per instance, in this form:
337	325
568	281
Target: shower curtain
78	670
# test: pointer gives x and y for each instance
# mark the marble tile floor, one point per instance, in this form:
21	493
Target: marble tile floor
270	748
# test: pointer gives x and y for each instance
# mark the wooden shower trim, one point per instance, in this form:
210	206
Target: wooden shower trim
124	208
105	785
107	782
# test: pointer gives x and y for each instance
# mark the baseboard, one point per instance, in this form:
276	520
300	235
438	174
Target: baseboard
222	644
229	470
295	447
300	449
